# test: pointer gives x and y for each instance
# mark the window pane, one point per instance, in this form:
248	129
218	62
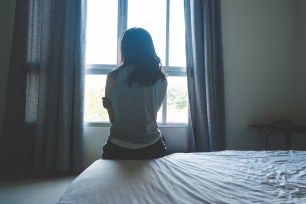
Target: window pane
177	53
177	97
101	39
159	115
150	15
101	48
94	91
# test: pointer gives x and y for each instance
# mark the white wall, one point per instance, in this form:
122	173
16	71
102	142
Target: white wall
302	58
300	141
260	62
6	28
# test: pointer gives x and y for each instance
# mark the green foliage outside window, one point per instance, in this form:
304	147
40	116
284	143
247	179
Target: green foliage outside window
177	102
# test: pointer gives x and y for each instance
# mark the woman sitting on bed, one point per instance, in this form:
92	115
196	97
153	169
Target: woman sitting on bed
134	92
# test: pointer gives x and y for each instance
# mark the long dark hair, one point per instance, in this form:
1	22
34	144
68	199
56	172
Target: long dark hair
137	50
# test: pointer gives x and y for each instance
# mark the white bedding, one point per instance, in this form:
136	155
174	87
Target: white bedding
191	178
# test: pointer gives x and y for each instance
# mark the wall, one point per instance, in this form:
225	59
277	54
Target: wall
302	59
6	28
260	62
300	141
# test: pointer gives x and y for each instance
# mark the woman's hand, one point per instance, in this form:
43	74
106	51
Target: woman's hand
107	103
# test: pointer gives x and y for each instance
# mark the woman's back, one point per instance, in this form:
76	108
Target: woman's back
136	109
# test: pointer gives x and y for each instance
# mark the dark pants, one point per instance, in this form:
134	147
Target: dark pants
112	151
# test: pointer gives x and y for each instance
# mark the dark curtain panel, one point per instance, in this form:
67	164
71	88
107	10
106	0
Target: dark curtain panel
205	74
43	124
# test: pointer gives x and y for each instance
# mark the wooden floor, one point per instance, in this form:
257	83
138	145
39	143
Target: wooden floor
42	190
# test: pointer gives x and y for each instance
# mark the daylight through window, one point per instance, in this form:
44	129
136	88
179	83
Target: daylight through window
106	22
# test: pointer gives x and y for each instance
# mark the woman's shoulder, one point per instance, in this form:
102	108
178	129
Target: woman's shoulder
114	72
162	83
163	79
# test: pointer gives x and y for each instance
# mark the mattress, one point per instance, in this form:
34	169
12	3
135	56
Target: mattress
191	178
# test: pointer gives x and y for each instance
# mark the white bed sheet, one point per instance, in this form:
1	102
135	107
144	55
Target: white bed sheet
191	178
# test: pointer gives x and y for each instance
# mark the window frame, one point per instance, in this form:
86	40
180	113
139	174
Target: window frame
103	69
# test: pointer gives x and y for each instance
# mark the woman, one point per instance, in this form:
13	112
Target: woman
134	93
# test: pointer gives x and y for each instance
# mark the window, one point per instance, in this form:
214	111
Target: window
106	22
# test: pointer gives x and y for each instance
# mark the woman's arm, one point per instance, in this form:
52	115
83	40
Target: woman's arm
107	103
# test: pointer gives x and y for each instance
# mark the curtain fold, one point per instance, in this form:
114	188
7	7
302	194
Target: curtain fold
43	123
205	75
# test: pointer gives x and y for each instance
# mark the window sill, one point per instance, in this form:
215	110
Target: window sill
107	124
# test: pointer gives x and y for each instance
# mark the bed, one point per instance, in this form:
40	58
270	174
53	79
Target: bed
191	178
